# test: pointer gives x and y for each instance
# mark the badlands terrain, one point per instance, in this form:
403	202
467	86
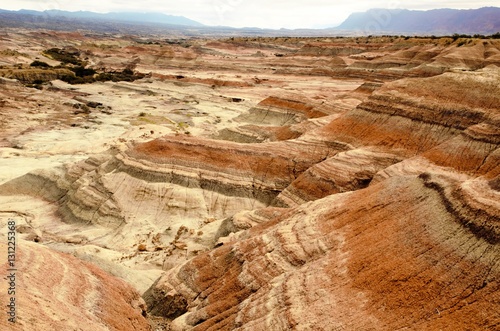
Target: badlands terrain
251	183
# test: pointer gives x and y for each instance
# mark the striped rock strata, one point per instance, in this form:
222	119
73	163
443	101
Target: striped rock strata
407	127
414	246
370	259
56	291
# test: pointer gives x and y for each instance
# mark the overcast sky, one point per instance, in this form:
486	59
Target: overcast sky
247	13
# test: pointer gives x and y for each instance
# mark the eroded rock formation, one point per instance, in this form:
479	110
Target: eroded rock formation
56	291
417	248
277	184
371	259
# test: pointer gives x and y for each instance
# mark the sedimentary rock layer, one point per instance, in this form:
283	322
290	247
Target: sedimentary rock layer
279	111
412	116
258	134
346	171
430	271
56	291
266	169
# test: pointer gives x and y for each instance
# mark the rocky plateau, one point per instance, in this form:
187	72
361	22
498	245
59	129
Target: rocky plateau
277	183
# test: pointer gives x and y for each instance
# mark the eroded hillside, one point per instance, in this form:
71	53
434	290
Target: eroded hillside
259	183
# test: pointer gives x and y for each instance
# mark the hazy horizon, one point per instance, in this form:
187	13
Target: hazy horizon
291	14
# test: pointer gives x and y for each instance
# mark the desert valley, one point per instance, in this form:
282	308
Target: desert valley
250	183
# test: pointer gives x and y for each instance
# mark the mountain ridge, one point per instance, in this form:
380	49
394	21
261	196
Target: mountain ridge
133	17
485	20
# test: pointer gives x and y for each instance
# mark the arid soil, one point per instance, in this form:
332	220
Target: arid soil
252	183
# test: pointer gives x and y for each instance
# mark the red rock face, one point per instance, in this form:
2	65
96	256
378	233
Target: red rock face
57	291
353	170
369	259
270	166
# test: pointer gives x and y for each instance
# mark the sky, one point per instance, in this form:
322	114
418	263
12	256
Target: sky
273	14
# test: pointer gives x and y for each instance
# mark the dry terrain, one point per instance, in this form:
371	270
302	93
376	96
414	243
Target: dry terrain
251	183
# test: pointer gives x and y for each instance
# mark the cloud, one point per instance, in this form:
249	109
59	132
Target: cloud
239	13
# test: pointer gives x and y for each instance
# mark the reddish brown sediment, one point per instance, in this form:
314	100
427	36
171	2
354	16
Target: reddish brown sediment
375	259
56	291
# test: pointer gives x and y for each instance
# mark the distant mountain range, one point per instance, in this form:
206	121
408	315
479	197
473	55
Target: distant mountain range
439	21
143	18
374	21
